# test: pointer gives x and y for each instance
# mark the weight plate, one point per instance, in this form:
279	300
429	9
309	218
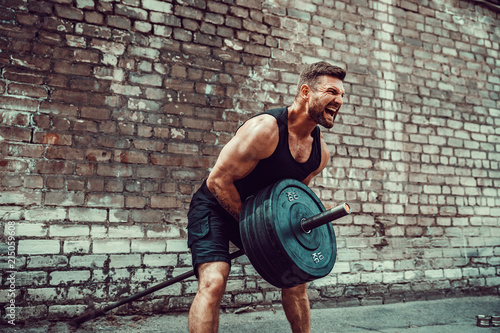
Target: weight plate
280	251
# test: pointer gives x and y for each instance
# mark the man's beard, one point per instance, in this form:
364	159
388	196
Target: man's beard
317	113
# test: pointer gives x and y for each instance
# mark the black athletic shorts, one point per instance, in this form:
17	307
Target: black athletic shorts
210	228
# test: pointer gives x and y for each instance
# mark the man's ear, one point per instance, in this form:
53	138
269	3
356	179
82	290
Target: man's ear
305	92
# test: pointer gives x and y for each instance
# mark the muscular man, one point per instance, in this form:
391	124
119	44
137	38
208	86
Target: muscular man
277	144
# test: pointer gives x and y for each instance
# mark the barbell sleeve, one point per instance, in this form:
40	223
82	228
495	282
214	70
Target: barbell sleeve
325	217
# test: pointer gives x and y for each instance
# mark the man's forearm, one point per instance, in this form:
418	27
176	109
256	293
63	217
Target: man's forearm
228	197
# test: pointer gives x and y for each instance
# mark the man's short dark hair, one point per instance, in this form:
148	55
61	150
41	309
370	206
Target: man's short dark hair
312	72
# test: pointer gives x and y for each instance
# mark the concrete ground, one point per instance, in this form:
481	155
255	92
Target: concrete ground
457	315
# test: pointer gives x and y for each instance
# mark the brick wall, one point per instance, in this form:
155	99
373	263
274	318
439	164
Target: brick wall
112	113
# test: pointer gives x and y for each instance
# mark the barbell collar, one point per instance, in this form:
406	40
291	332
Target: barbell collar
325	217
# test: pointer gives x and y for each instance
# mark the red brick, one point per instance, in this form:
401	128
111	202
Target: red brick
73	69
33	181
55	182
118	22
54	167
56	24
20	75
114	170
58	109
15	134
94	18
12	103
64	153
93	30
112	142
14	118
62	124
16	166
27	90
149	145
42	121
42	7
56	80
69	12
24	150
135	202
70	97
49	38
97	155
164	202
86	56
21	46
130	157
150	172
95	185
95	113
168	160
75	185
28	19
52	138
85	169
114	186
183	148
85	126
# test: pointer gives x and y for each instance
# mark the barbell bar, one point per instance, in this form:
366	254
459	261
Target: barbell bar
285	220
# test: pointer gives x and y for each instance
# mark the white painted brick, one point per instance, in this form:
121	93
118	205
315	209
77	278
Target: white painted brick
434	274
111	246
31	278
158	6
71	246
118	215
341	267
149	275
29	229
47	261
98	231
10	213
87	215
61	230
470	272
177	245
371	278
65	311
147	246
45	294
128	231
88	260
39	246
79	292
392	277
69	277
45	214
164	232
156	260
127	260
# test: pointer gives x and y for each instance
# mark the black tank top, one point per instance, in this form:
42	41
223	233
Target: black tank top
281	164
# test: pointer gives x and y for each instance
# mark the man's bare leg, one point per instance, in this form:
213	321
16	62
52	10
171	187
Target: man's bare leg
204	312
297	310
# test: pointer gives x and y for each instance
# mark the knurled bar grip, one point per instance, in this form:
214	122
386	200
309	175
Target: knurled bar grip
100	312
325	217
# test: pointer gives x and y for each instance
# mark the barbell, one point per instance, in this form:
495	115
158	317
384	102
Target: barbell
286	235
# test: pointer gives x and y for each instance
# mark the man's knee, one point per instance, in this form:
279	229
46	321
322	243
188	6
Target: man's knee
213	278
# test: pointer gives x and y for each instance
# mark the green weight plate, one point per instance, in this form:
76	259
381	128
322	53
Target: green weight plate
280	251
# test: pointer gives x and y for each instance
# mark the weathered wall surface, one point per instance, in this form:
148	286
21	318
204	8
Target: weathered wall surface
113	111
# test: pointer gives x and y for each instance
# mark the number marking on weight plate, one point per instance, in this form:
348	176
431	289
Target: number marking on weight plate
292	196
317	257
